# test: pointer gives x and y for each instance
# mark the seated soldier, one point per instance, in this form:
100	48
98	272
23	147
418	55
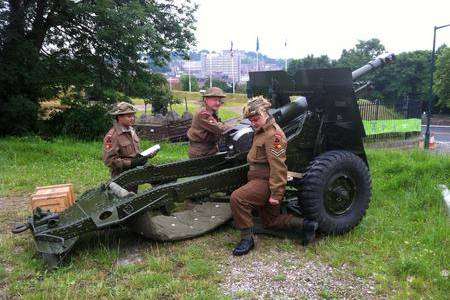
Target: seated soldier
267	178
206	127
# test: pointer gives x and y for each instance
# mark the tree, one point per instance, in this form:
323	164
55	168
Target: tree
48	46
407	77
442	79
362	53
185	83
309	62
226	87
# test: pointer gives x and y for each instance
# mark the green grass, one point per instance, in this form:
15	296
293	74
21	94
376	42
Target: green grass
29	162
402	243
231	99
224	114
369	112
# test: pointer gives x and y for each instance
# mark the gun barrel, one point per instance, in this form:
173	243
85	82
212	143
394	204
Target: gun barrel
378	62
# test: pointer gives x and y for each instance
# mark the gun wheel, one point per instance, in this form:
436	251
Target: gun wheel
335	191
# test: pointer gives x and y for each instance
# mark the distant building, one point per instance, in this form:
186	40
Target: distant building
223	63
194	65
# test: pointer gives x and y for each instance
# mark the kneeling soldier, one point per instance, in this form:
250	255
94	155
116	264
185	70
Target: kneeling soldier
267	179
206	127
121	143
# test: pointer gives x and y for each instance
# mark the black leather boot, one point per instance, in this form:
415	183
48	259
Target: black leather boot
244	246
309	231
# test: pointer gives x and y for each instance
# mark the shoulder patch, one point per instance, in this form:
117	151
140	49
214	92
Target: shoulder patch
277	140
204	112
108	142
278	147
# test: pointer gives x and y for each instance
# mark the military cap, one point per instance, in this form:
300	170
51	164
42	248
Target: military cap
214	92
255	106
123	108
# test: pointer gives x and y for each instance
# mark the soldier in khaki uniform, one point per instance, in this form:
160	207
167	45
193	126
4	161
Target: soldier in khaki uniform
267	179
121	143
206	127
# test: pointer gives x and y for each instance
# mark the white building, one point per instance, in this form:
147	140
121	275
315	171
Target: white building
222	64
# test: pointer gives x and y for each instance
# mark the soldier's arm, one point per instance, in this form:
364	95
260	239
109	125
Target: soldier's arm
276	145
210	124
111	156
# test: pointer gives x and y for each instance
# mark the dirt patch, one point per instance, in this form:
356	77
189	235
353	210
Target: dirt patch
14	203
280	274
12	211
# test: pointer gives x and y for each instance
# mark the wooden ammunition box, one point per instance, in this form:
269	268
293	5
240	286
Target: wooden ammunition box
55	198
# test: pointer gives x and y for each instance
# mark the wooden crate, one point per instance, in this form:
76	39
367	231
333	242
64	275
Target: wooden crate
55	198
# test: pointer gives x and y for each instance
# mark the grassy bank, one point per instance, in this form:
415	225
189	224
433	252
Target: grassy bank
230	100
402	244
193	107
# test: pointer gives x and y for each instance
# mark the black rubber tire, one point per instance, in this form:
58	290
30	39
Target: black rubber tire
315	185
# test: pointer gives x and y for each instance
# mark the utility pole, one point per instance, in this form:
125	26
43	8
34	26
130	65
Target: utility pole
257	53
232	65
210	70
426	142
189	70
286	55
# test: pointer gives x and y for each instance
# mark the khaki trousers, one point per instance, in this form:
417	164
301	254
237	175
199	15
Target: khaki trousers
255	196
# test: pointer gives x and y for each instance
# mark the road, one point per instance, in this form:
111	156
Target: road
441	133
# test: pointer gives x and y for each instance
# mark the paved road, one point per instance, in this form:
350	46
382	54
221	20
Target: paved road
441	133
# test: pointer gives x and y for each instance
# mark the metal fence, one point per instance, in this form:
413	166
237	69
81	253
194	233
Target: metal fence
386	121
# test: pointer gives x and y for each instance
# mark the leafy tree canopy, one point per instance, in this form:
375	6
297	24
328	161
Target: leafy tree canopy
92	46
442	79
185	83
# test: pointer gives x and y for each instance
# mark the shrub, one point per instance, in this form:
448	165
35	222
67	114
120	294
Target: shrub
80	122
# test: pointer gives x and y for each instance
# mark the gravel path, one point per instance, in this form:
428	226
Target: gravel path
278	274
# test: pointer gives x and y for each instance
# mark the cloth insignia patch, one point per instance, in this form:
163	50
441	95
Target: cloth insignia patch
277	152
108	143
277	149
277	140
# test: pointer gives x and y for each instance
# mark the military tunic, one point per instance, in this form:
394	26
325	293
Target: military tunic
120	145
267	177
204	134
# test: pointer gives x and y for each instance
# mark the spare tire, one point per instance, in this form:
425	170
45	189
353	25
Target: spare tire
335	191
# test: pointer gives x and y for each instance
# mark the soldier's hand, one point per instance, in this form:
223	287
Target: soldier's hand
273	201
138	160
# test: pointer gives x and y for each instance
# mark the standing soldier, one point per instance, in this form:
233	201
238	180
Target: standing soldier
206	127
267	179
121	143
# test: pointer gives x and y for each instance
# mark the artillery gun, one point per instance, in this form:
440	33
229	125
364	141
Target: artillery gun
330	179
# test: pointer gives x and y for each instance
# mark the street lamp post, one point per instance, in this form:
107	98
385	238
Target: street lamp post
430	95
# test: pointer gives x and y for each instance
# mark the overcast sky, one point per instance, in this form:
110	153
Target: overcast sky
318	26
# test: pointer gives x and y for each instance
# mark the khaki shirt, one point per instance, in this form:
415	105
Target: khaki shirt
204	134
269	149
120	145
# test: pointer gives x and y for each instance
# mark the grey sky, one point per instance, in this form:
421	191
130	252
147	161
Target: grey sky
320	27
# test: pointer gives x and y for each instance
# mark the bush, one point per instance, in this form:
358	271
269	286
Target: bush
80	122
19	116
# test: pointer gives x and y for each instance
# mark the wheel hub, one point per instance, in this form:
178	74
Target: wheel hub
339	194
